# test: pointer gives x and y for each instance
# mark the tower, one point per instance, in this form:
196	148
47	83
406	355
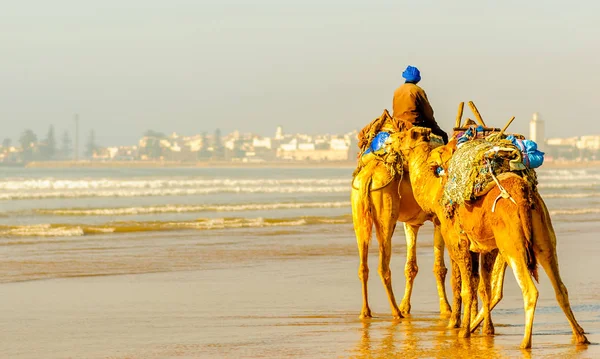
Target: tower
536	131
279	133
76	137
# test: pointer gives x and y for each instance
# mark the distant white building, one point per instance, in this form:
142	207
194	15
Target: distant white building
589	143
559	141
291	146
261	142
230	144
306	146
339	144
536	131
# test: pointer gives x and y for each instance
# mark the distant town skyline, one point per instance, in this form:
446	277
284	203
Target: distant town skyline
246	147
328	66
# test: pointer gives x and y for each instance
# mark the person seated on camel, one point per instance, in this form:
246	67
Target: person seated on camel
411	106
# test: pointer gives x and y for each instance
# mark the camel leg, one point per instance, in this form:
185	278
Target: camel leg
475	285
363	275
385	230
562	296
545	250
466	293
498	274
510	232
410	268
363	227
487	262
440	270
457	302
530	294
464	258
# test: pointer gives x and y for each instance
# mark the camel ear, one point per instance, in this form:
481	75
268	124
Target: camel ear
436	157
417	133
447	154
452	143
450	147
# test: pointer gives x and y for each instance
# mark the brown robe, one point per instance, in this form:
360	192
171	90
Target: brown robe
411	108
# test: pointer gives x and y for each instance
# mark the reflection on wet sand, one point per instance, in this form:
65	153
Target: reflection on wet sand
426	338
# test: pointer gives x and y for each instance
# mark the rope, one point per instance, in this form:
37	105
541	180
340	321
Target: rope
503	192
381	187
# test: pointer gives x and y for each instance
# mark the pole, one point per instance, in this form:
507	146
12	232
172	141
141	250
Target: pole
76	137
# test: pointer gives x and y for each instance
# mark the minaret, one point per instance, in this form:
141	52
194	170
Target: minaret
536	131
279	133
76	152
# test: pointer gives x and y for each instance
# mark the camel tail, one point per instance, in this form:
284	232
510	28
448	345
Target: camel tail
365	200
361	206
525	213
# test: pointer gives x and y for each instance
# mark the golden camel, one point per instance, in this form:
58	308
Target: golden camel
382	197
520	228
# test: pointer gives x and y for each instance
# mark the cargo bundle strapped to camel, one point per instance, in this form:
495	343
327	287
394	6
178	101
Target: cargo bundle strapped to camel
482	155
371	142
374	143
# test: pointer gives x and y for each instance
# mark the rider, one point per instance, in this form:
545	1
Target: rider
411	106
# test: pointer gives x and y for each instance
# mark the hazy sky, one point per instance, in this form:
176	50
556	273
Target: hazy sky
311	66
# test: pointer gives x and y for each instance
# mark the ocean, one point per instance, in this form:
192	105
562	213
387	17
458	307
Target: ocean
67	206
248	262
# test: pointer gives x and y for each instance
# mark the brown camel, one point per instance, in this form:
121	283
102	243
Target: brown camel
382	197
519	228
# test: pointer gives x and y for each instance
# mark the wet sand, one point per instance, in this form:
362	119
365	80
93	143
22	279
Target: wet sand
283	297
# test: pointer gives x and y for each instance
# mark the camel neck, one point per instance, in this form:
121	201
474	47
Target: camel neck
423	180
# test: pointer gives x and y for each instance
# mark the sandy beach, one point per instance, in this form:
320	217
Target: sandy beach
292	298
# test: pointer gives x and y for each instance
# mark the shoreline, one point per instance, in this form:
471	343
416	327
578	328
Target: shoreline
198	164
229	164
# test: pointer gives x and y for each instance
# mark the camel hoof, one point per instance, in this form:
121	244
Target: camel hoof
464	333
405	308
526	344
445	314
453	324
488	330
582	340
445	310
396	313
365	314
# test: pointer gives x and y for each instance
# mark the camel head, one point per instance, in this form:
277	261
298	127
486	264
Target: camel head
419	141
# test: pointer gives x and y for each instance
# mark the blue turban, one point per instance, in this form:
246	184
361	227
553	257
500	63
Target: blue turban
412	74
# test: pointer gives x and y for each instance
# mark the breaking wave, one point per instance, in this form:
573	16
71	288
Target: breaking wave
71	230
571	195
171	192
573	212
108	183
568	175
567	185
188	208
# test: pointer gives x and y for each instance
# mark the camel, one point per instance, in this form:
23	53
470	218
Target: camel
381	198
519	229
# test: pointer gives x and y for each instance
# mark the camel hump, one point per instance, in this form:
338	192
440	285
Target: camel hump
501	177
